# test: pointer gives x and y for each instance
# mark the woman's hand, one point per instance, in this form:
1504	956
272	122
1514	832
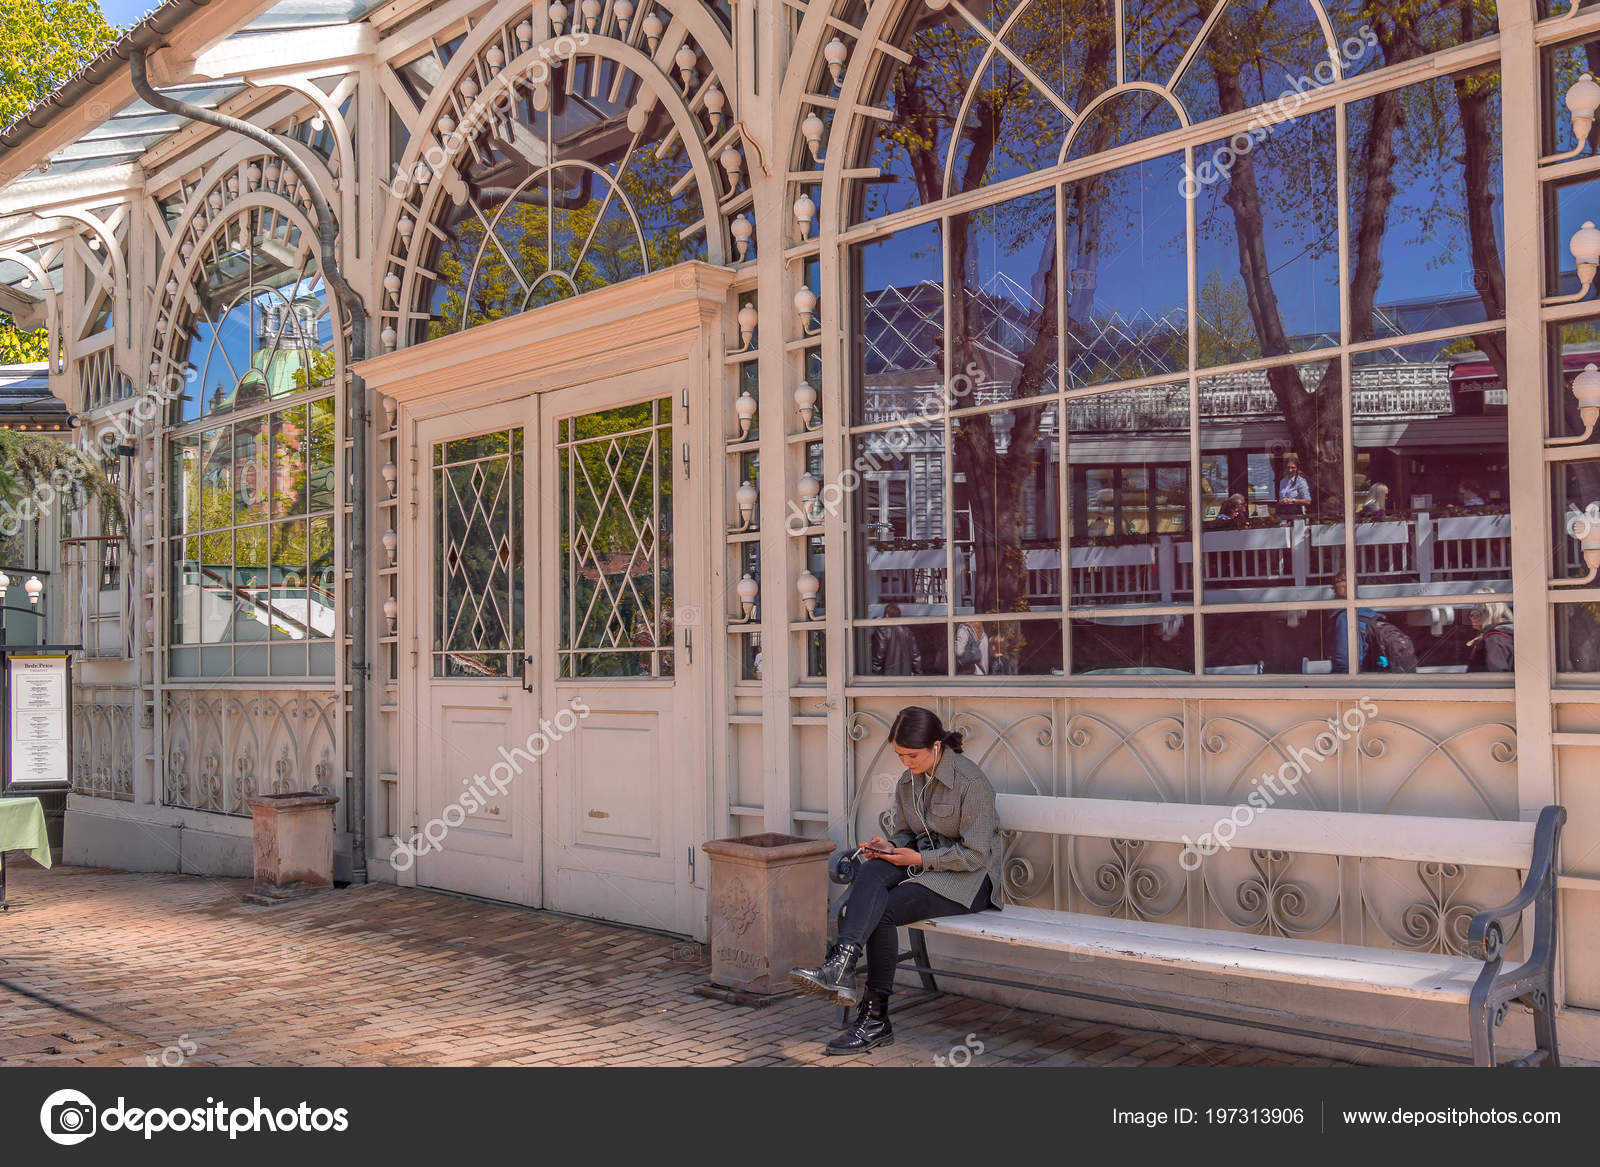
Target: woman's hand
876	847
903	857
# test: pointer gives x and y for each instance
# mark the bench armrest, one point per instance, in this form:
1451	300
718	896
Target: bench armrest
842	867
1485	936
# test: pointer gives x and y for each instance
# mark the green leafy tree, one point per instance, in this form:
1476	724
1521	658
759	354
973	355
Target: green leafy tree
43	42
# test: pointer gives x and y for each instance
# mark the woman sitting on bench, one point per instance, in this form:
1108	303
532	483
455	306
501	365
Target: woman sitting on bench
942	859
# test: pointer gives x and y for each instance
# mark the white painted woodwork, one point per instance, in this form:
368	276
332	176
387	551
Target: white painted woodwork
1230	954
1418	838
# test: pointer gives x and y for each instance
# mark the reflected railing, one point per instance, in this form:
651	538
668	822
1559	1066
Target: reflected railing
1421	555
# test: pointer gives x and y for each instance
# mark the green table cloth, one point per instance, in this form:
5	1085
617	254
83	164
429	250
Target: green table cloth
22	828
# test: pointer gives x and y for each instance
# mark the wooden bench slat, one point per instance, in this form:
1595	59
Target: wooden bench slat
1375	970
1416	838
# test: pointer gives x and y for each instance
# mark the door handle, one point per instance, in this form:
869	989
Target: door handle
526	661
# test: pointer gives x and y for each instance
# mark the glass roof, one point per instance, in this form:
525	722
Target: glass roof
138	126
310	14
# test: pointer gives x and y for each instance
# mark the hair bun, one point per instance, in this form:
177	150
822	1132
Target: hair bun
953	739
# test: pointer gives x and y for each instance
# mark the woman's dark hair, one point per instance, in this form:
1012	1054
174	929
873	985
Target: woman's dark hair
917	728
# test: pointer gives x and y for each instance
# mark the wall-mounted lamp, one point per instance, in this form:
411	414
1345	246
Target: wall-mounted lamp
1583	99
1586	388
805	210
836	54
741	229
748	319
747	497
812	130
808	488
748	591
745	407
808	586
1585	248
1584	526
805	400
805	307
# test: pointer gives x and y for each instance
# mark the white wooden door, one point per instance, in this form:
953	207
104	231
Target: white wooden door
479	803
625	795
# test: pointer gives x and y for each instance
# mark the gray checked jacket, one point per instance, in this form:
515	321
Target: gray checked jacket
950	817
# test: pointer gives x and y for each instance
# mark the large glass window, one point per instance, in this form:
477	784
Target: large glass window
251	486
1237	406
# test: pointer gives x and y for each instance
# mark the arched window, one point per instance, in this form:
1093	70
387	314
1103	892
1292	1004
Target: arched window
1218	367
554	156
580	192
251	456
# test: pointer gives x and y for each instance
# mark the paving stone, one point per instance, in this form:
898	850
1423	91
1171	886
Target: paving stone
407	977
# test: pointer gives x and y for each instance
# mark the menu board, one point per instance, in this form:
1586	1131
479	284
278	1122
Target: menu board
38	716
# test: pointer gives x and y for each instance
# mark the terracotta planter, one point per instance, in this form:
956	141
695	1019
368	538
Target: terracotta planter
293	836
769	909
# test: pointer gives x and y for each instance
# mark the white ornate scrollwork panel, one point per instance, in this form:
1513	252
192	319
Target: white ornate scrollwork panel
103	741
225	745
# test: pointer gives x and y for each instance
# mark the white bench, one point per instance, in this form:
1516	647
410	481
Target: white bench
1478	983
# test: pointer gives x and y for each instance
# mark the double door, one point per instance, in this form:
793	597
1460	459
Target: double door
559	744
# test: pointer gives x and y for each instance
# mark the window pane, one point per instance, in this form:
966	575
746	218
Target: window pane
1127	281
1003	321
1127	645
478	569
1271	642
252	474
1426	213
616	544
1272	449
1268	242
1008	648
1432	473
900	522
901	650
1446	639
319	470
288	476
898	313
1577	638
1007	510
1128	488
1573	347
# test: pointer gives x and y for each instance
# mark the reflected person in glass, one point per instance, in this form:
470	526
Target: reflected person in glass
1338	623
1493	650
894	650
1294	492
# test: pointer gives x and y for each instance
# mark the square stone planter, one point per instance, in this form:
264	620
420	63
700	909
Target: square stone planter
293	836
769	911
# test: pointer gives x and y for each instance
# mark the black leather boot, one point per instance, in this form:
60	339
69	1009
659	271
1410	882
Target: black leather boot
835	977
871	1028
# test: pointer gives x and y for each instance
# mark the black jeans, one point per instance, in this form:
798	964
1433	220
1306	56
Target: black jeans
881	901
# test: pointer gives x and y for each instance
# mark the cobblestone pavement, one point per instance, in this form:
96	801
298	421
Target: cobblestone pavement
112	968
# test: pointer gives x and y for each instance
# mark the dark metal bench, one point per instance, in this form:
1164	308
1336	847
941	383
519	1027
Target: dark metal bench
1478	981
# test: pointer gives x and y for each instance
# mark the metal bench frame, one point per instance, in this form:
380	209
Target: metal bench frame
1531	983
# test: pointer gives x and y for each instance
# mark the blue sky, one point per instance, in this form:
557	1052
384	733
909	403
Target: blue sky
123	13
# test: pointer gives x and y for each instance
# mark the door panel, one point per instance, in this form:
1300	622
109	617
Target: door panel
479	803
625	795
